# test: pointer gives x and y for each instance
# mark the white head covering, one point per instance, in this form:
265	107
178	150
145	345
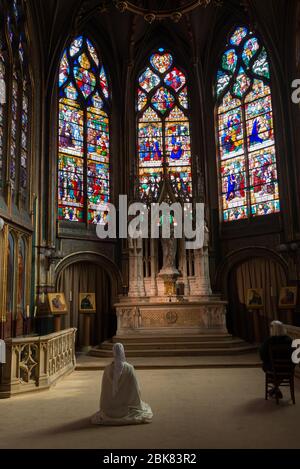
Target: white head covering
119	361
277	329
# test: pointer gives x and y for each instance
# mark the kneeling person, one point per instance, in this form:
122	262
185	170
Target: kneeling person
120	401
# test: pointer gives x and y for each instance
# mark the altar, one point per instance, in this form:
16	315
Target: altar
174	318
169	291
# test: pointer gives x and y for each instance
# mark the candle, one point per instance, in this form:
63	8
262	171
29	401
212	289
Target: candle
27	312
70	297
35	311
43	298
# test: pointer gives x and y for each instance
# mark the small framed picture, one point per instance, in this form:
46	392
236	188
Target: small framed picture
57	303
255	298
288	297
87	302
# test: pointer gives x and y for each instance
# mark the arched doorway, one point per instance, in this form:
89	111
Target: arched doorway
261	273
88	277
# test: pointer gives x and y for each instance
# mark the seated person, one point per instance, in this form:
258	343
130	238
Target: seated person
120	401
278	336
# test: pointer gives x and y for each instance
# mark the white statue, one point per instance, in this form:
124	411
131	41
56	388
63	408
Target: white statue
169	247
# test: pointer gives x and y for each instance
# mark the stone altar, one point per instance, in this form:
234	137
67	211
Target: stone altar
171	295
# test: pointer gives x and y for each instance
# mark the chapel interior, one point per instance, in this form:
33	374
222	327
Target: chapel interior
183	102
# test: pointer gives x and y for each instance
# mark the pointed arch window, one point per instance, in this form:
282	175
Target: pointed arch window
163	128
3	105
20	105
245	132
83	160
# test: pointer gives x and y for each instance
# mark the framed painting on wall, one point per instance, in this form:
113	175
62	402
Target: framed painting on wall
255	298
57	303
288	297
87	303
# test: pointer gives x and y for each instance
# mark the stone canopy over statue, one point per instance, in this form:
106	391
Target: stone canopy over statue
169	287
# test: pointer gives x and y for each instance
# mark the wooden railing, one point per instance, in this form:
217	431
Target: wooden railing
35	363
294	333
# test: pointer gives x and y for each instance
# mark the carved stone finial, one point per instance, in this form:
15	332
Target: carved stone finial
150	18
176	17
122	6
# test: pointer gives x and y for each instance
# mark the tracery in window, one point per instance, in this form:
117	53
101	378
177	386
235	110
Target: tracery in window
163	128
83	162
246	141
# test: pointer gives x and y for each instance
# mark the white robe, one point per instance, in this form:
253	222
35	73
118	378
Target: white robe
126	407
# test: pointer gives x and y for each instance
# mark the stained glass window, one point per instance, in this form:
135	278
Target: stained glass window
18	96
83	162
246	141
24	177
14	132
3	101
163	134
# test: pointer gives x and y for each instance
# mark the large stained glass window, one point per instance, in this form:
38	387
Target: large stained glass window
3	101
83	161
164	142
246	141
20	92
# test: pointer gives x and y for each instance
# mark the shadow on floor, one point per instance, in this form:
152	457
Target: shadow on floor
261	406
74	426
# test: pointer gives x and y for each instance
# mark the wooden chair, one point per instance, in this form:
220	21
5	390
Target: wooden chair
282	373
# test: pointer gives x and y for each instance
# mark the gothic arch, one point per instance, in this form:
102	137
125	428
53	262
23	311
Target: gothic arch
94	258
238	257
281	116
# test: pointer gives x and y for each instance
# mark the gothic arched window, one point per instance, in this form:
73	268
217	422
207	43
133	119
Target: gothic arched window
20	101
163	128
246	141
3	104
83	161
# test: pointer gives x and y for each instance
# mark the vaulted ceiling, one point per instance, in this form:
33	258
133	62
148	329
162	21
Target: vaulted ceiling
126	36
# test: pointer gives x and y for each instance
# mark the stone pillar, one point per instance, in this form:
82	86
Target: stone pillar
136	276
201	282
153	288
183	268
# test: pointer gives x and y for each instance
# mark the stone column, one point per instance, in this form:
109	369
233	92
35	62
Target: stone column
136	277
183	268
202	280
153	291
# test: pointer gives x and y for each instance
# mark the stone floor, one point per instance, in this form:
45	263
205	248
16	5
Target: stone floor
85	362
193	408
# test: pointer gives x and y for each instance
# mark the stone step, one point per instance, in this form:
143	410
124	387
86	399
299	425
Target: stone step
177	352
131	346
167	345
140	338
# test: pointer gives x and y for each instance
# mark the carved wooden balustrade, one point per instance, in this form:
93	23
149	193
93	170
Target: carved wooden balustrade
35	363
